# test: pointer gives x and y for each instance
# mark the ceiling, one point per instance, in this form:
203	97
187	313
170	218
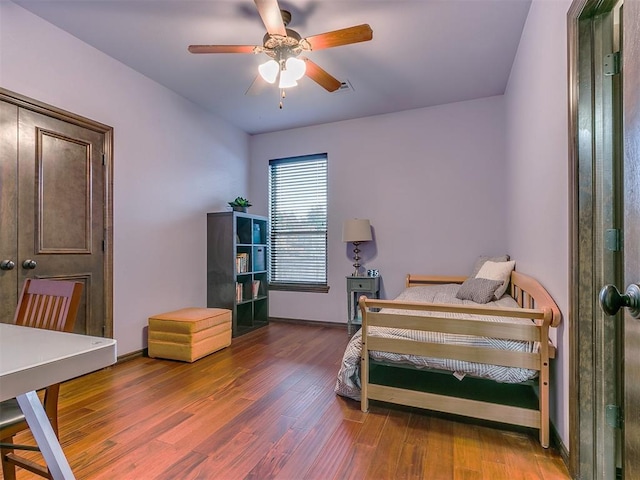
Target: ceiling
423	52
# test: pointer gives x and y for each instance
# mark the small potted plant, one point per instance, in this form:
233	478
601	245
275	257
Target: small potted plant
240	204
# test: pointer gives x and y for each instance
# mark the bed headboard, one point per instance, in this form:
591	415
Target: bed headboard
525	290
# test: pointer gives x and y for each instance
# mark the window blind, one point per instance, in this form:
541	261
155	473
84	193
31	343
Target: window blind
298	220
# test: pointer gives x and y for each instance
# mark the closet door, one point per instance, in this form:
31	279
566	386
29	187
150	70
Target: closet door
60	209
54	197
8	210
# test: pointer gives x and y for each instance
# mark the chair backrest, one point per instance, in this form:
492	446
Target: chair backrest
49	304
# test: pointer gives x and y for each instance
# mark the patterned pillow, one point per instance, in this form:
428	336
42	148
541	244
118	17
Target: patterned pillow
479	290
497	271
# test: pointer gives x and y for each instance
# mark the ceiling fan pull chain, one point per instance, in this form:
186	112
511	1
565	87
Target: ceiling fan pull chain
282	95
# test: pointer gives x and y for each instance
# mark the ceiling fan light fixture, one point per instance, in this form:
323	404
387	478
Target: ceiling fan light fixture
296	67
287	79
269	71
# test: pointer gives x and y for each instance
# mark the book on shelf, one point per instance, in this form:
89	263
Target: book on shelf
242	262
238	292
255	288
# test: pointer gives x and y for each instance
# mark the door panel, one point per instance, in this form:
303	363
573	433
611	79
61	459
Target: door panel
61	215
63	167
8	207
607	215
631	136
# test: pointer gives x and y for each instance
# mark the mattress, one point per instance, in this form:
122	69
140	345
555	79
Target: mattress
348	382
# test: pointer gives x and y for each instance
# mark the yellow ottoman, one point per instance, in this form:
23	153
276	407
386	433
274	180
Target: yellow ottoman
189	334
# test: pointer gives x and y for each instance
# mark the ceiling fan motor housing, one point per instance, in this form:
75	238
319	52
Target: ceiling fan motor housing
284	47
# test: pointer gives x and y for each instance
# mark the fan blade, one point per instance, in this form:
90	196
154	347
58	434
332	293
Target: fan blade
359	33
257	87
320	76
221	48
269	11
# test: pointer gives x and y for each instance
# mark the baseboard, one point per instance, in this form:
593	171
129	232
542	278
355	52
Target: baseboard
131	355
556	442
309	322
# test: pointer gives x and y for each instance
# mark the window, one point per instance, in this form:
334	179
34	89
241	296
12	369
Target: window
298	223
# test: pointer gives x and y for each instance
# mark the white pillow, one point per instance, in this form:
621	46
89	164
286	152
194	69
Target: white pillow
483	258
497	271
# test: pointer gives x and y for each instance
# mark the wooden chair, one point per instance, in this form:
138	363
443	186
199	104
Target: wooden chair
52	305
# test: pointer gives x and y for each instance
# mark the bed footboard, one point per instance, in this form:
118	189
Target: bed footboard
535	304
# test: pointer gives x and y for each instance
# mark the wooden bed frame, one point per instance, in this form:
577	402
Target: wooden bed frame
535	303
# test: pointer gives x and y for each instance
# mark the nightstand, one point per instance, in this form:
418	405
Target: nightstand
357	286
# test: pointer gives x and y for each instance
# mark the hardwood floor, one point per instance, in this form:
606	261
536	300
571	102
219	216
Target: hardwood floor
265	408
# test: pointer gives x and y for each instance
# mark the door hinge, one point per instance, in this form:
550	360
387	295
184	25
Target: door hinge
103	245
612	240
613	414
612	64
104	159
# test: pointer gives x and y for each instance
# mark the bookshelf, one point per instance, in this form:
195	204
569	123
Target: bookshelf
237	268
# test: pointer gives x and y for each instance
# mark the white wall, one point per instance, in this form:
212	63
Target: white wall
172	163
432	182
538	169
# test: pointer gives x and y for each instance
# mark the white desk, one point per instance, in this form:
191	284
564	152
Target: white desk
31	359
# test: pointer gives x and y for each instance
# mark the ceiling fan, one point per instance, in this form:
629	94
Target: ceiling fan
285	46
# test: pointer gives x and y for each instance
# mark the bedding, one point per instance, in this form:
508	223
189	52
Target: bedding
348	382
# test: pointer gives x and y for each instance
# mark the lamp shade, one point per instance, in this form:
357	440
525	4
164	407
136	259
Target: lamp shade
269	70
296	67
356	230
287	79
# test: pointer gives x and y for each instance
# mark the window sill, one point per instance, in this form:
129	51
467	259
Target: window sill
299	287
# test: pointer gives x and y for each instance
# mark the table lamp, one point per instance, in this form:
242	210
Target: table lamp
356	231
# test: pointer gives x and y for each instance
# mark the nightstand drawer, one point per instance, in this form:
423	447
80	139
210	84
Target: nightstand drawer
364	284
357	286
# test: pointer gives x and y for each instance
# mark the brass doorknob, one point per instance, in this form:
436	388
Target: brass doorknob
611	300
29	264
7	265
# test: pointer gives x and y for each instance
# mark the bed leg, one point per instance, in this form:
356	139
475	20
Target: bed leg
364	358
544	414
544	404
364	404
544	436
364	382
